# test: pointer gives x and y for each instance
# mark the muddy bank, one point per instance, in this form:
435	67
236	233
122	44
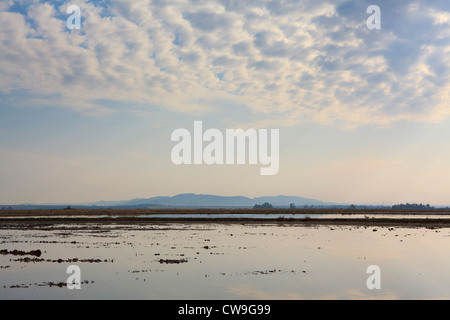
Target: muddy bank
172	261
212	212
36	253
44	284
138	223
74	260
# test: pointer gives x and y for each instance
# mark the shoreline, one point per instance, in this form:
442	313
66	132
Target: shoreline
34	218
136	212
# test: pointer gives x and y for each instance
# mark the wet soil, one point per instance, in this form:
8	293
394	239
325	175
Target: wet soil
95	220
36	253
172	261
44	284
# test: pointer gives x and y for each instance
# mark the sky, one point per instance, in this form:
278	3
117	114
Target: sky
87	114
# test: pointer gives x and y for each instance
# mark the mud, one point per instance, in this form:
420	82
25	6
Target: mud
132	219
172	261
36	253
74	260
44	284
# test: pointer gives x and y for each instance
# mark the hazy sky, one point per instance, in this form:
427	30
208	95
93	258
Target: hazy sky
87	115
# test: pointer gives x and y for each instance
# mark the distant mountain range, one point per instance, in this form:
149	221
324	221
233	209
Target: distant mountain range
188	200
191	200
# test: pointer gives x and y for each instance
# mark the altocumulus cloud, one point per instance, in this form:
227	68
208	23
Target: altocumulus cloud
290	61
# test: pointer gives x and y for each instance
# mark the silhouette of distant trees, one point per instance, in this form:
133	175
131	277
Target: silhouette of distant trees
412	206
292	206
266	205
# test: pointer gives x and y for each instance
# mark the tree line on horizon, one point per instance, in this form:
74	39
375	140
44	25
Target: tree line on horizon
412	206
402	206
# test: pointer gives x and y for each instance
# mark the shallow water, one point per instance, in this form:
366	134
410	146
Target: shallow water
226	261
241	215
298	216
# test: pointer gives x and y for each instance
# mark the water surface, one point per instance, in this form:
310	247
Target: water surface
226	261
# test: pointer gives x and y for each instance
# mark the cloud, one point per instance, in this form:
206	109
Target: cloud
357	294
6	4
305	60
246	291
209	21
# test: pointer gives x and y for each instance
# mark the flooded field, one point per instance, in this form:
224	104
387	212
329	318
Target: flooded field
209	260
234	216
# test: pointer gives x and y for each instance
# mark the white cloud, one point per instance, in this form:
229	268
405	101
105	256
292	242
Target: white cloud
440	17
308	60
6	4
